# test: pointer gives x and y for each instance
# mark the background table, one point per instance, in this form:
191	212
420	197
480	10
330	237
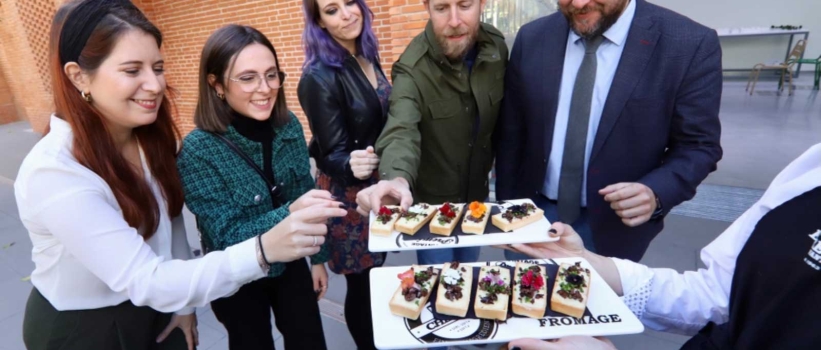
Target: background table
765	31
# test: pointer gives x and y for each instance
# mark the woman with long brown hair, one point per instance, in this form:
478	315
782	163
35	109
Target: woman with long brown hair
101	199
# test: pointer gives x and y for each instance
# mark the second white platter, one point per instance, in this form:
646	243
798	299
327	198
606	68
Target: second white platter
396	241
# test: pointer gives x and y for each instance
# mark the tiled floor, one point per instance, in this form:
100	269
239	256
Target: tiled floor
761	134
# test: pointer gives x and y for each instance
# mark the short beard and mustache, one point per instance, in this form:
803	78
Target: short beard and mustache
605	22
457	51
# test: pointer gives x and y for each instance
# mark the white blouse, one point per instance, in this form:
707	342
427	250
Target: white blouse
85	254
666	300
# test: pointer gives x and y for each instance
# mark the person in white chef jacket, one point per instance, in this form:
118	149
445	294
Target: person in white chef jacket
761	288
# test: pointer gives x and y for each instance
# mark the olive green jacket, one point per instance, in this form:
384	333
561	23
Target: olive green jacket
428	138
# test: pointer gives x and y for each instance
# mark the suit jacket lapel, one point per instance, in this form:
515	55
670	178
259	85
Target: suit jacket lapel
639	47
550	79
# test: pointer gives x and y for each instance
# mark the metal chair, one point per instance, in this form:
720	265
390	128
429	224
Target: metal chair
785	67
817	63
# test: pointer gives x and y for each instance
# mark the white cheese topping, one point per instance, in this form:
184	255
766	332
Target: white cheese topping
452	276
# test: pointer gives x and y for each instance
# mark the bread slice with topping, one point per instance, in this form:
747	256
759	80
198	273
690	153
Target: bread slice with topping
446	219
492	293
385	220
412	220
414	291
571	290
476	218
517	216
453	294
529	290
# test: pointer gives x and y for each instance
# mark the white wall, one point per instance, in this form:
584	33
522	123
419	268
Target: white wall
746	52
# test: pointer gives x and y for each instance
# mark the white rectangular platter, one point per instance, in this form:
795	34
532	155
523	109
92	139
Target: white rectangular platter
396	241
608	316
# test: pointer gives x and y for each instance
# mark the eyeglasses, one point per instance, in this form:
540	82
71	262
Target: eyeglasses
251	82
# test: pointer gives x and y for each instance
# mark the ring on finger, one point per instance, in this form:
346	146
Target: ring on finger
314	245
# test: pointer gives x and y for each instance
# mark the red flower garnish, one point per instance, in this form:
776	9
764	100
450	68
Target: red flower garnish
446	210
532	280
407	278
385	215
385	211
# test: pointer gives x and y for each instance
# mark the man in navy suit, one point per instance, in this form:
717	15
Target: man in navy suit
610	119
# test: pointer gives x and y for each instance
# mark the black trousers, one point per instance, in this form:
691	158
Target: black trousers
246	315
358	309
120	327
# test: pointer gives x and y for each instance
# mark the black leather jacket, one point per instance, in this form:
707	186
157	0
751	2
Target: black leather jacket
344	114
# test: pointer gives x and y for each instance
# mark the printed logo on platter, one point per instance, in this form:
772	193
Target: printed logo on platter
427	329
814	255
426	242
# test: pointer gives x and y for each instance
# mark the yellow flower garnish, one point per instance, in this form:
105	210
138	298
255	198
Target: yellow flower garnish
477	209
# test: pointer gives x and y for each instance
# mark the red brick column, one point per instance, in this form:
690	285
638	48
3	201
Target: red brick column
8	111
24	28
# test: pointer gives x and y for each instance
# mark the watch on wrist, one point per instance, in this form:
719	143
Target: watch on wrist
659	209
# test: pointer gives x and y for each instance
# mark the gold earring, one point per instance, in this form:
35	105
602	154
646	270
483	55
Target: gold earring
86	96
221	96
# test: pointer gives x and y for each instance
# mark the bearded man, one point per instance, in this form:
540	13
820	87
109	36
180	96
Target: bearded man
447	91
610	119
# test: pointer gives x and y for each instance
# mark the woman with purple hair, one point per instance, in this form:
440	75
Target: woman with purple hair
344	94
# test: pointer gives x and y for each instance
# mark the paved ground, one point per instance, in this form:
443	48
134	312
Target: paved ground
761	134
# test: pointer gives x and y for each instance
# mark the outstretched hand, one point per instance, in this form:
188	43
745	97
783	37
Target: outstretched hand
568	245
386	192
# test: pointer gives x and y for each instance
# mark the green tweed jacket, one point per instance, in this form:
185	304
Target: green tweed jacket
230	200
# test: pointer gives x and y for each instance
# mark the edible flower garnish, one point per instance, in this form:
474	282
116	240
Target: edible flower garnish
447	210
477	209
407	278
532	280
385	215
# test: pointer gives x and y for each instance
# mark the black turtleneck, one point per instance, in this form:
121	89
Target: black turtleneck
258	131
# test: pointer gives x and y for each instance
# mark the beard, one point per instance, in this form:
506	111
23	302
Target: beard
592	30
456	51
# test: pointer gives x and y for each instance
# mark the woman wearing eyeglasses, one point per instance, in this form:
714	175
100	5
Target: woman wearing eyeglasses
244	169
344	94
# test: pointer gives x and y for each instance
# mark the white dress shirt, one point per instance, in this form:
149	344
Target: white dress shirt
85	254
684	303
607	61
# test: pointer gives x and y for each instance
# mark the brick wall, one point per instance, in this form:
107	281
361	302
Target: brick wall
408	19
24	27
8	111
186	24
